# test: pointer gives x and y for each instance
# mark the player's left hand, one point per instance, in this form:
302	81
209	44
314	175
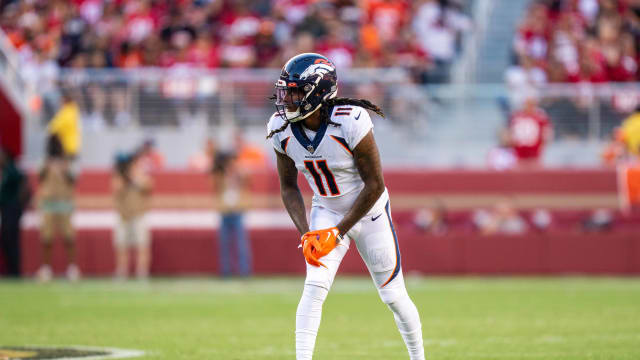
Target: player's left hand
318	243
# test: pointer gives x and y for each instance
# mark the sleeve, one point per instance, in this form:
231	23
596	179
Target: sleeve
625	128
275	123
360	126
57	122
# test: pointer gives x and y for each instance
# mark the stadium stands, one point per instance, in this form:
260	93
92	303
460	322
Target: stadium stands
587	47
422	36
579	41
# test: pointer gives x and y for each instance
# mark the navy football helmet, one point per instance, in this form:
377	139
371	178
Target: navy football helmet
305	82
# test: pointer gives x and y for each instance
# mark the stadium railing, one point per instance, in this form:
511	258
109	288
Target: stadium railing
436	125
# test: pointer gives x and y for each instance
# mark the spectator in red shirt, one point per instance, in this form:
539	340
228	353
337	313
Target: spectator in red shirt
591	40
532	39
240	23
237	53
528	132
203	53
139	22
592	65
611	40
388	16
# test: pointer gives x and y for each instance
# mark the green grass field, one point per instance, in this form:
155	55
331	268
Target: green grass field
462	318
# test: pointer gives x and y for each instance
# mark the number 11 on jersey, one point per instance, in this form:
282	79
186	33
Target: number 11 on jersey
328	175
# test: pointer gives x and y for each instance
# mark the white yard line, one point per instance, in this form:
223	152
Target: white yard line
115	353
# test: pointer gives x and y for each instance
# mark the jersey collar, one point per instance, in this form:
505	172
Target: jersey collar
303	139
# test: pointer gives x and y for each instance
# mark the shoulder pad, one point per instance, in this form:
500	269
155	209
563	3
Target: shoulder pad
275	122
345	113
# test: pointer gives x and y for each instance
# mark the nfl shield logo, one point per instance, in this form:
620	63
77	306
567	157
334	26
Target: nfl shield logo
310	148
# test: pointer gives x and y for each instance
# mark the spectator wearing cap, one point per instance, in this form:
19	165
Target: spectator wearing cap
131	191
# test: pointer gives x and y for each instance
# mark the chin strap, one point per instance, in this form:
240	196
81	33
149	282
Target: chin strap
299	117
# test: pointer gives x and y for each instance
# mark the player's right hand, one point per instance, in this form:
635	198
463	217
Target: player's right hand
318	243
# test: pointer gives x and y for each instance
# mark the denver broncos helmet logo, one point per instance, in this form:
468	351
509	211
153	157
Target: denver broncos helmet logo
320	67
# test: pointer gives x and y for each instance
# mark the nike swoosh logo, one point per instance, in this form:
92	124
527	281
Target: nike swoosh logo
374	218
358	117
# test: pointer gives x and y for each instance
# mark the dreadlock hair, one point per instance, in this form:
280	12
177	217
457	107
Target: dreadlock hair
330	103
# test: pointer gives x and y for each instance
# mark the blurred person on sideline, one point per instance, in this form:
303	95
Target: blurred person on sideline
65	126
131	190
502	157
432	220
615	152
250	158
203	159
231	187
149	157
598	220
541	219
14	198
502	219
629	135
528	132
627	143
55	202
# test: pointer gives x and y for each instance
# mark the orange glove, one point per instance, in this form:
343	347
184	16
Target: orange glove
318	243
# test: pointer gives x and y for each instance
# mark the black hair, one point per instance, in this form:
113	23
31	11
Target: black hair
221	161
123	166
329	104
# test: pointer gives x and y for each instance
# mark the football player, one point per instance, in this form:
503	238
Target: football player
331	141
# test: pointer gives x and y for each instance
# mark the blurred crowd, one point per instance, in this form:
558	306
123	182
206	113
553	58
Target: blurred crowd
505	217
573	41
419	35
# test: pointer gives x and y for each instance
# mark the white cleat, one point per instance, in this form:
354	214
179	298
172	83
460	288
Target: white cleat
44	274
73	273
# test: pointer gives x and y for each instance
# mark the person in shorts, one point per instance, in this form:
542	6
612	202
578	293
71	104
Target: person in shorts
55	202
131	191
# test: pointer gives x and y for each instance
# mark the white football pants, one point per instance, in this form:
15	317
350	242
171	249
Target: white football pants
377	244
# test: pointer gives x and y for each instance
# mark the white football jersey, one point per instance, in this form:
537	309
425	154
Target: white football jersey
326	157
